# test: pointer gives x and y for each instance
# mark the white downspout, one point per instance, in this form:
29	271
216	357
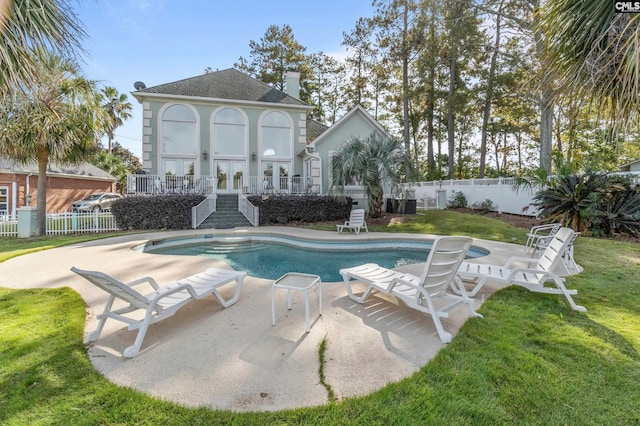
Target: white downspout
14	198
310	152
27	197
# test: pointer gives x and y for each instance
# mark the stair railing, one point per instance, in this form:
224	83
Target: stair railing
251	212
203	210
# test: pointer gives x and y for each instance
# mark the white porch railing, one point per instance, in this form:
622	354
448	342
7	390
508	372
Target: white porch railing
203	210
251	212
295	185
143	184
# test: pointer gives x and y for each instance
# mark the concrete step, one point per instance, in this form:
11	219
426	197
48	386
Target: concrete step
229	219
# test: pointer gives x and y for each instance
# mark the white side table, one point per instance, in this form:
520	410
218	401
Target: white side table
299	282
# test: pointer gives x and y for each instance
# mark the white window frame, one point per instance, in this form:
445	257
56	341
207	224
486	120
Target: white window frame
160	146
246	135
260	137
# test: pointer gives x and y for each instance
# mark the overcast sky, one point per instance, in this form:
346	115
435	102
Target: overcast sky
160	41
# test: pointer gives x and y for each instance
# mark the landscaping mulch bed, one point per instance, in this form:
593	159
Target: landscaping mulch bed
520	221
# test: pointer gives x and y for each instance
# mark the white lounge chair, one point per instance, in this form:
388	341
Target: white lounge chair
426	293
533	276
356	222
539	236
160	303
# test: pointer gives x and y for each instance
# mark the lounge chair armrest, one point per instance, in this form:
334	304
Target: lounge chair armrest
401	280
526	260
169	292
541	228
549	274
143	280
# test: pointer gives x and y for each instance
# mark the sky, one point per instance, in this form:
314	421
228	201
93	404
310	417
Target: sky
160	41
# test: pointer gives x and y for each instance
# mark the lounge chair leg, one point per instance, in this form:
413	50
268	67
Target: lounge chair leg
352	296
564	291
133	350
236	295
95	334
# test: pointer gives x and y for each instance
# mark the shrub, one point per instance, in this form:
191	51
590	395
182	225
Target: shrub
617	213
282	209
592	201
485	206
568	199
159	212
457	201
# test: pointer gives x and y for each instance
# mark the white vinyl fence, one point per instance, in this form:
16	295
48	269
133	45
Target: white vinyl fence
8	226
67	223
500	191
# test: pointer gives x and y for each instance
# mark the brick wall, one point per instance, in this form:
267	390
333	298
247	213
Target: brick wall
61	191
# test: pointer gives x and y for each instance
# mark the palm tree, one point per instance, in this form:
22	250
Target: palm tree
370	162
117	108
115	166
594	48
56	120
29	26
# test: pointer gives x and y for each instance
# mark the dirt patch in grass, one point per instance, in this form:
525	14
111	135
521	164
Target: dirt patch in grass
520	221
517	220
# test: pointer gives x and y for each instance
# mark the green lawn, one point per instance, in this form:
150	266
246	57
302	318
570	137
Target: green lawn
530	360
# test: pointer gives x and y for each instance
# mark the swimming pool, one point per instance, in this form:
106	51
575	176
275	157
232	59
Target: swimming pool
271	256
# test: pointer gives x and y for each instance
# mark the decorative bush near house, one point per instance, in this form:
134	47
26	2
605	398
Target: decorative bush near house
162	212
282	209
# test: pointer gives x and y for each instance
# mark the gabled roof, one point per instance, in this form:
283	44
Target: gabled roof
626	167
228	84
314	129
83	170
358	109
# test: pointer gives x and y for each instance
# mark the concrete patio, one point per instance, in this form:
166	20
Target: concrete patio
234	358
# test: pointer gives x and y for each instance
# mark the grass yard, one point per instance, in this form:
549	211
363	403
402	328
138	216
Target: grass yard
531	360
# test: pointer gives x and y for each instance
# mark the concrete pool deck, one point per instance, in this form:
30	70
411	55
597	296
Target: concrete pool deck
234	358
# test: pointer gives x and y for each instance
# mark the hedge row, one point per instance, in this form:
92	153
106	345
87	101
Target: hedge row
282	209
160	212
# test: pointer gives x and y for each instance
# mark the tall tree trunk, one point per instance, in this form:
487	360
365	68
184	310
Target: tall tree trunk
451	116
546	128
41	197
547	95
453	77
405	91
489	100
431	79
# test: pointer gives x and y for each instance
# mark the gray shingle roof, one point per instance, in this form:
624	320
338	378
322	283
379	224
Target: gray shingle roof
225	84
314	129
81	170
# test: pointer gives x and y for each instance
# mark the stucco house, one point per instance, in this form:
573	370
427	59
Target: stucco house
227	131
65	184
633	166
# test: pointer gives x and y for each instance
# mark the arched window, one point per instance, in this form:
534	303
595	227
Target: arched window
277	137
229	133
179	130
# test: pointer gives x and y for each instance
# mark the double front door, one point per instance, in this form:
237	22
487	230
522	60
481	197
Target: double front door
230	174
275	176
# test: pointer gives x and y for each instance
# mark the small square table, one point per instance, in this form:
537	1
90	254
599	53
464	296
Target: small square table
299	282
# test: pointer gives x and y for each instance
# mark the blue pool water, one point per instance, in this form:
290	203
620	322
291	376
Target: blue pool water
269	257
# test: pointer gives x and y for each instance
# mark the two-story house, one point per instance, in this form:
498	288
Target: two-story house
230	132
